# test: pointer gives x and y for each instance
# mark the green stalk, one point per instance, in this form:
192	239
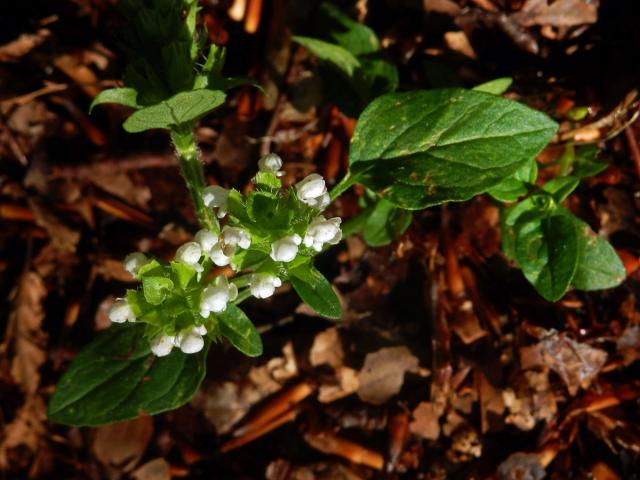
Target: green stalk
242	296
343	185
191	166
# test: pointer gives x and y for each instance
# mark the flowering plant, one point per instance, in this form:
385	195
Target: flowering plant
410	150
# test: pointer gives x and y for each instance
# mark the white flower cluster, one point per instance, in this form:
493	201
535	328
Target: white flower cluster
189	340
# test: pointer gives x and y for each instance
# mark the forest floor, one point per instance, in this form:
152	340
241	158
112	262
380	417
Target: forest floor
446	364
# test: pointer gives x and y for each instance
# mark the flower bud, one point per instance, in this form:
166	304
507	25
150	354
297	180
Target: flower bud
271	163
189	253
121	312
218	257
190	341
285	249
215	196
262	285
200	329
162	345
216	296
206	239
232	237
322	231
134	262
312	191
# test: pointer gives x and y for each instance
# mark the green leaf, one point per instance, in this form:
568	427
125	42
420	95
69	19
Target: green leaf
561	187
116	378
495	87
267	181
512	188
182	108
586	163
548	253
423	148
156	289
123	96
335	55
599	266
315	291
242	334
346	32
183	273
385	223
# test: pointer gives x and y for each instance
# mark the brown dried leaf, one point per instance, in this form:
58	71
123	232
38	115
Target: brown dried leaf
63	238
21	46
561	13
382	374
577	364
426	421
121	445
347	383
24	331
157	469
24	432
327	349
521	466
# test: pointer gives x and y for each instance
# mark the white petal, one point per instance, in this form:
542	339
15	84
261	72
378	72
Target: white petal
270	163
191	342
121	311
206	239
162	345
189	253
134	261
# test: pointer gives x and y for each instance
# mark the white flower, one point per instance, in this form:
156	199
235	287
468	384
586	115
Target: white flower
190	341
322	231
216	196
271	163
201	329
134	262
232	237
286	249
216	296
262	285
190	254
218	257
162	345
121	312
313	191
206	239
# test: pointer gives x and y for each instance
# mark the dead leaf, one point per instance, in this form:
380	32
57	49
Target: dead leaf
521	466
561	13
382	374
426	422
459	42
347	383
122	445
284	368
25	431
25	333
327	349
491	405
157	469
467	326
225	403
63	238
21	46
576	363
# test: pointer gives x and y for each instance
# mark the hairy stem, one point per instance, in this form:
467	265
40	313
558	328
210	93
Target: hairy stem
191	166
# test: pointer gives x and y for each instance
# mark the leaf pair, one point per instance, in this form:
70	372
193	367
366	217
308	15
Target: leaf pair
554	248
352	50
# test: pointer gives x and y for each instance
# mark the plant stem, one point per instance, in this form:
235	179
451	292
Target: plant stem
343	185
242	296
191	167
